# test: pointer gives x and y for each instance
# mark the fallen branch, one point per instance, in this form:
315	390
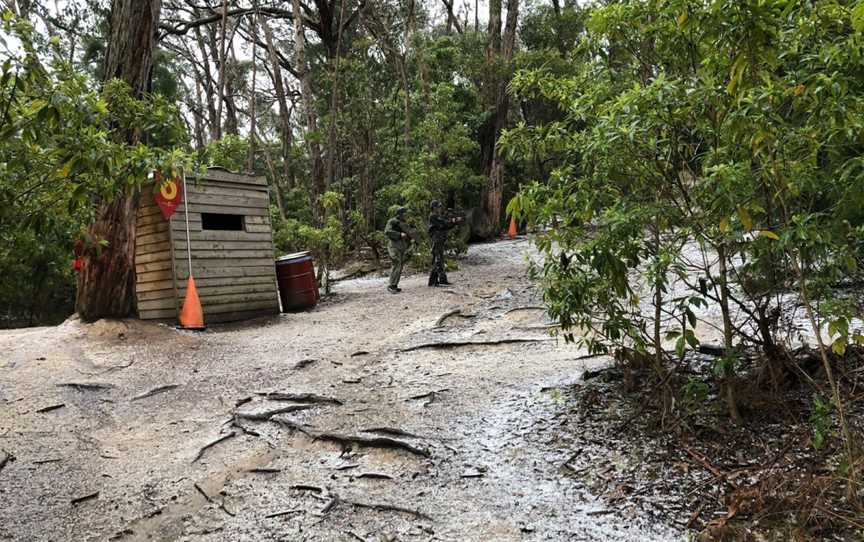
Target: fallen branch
5	458
702	460
52	407
374	475
299	397
526	308
305	487
265	416
232	434
78	500
457	344
375	442
304	363
264	471
155	391
85	386
384	507
359	353
392	431
284	513
44	461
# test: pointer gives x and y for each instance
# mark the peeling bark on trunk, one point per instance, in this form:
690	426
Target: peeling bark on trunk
106	284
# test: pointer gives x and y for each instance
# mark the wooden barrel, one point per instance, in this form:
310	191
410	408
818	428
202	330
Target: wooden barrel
295	274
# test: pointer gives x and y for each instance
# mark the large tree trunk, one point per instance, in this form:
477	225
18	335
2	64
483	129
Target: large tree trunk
493	193
318	181
284	112
106	284
332	143
209	88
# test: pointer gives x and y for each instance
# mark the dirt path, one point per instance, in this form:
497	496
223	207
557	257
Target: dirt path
477	461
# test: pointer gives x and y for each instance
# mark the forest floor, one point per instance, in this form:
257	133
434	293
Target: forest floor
402	439
435	414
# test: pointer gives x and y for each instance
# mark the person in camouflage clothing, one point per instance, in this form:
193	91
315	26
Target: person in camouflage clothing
399	236
439	226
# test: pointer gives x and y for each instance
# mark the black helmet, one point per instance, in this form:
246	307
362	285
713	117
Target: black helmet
401	211
436	204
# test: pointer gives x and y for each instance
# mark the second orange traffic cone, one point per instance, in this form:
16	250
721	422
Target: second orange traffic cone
512	231
191	315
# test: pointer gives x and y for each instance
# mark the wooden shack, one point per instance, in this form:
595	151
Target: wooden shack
232	250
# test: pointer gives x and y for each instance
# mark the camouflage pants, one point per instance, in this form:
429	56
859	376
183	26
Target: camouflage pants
438	274
397	260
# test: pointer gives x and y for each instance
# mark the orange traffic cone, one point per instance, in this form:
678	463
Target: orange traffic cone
191	316
512	231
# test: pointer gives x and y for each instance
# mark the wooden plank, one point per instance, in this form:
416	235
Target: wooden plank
221	174
151	248
236	254
153	257
246	306
226	208
151	219
213	300
155	266
261	189
258	219
258	228
229	191
155	275
244	202
161	237
263	244
165	293
152	228
213	235
157	304
160	314
241	315
239	289
216	260
149	210
255	281
221	271
152	286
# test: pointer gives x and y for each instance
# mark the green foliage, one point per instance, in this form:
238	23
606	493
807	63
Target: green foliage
681	128
231	152
820	419
62	150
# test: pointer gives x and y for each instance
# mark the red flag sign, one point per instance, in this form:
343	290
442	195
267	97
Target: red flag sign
168	194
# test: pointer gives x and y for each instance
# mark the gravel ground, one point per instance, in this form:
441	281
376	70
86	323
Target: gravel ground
474	459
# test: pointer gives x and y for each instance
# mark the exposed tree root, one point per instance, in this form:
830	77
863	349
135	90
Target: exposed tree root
155	391
265	416
457	344
299	397
384	507
392	431
85	386
375	442
232	434
5	458
526	308
89	496
51	407
440	321
304	363
284	513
